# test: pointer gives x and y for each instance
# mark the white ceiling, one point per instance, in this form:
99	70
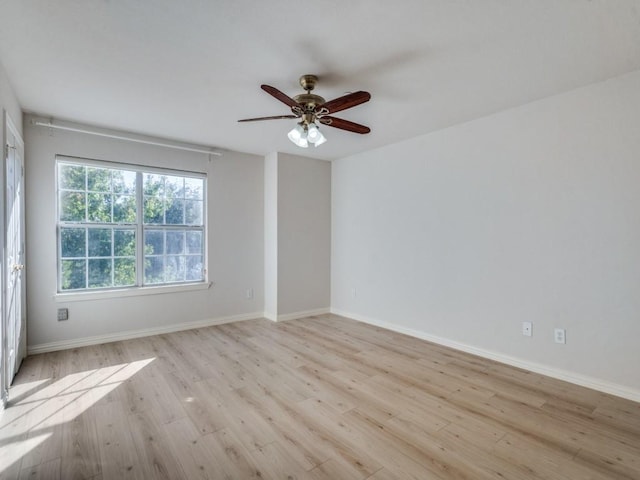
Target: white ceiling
189	69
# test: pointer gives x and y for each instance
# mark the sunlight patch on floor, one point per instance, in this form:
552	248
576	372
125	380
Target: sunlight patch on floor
41	405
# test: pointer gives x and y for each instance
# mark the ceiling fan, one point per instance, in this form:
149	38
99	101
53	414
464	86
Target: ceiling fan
312	109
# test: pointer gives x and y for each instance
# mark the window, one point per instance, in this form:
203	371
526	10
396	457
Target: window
127	226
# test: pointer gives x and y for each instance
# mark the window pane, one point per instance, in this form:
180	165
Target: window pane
124	182
153	269
195	270
153	242
124	243
124	209
153	185
174	187
99	209
153	210
72	206
193	212
174	214
71	177
194	242
73	274
98	179
99	242
124	272
174	268
73	242
175	242
100	273
194	188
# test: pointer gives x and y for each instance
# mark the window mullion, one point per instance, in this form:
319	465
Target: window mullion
86	258
113	253
139	231
86	201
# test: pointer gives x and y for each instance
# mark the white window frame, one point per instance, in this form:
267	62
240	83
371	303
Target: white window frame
140	288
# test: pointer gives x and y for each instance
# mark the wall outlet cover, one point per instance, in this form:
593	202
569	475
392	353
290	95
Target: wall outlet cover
559	335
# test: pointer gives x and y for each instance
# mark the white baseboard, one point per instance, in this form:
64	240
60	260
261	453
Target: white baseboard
270	316
571	377
295	315
145	332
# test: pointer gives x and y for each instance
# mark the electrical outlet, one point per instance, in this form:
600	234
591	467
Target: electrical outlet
527	329
559	335
63	314
249	293
353	292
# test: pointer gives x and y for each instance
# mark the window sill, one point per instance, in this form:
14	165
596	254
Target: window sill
130	292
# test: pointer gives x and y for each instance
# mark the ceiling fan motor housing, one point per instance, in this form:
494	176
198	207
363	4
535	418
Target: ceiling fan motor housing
308	82
309	100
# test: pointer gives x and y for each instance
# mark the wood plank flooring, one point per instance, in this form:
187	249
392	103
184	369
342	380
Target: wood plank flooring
318	398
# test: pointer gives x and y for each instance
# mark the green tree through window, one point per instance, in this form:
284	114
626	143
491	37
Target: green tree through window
104	211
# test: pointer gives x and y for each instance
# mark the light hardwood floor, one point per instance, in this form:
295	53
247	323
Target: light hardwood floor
318	398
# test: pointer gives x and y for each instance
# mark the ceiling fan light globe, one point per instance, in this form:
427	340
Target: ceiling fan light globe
321	139
296	133
313	134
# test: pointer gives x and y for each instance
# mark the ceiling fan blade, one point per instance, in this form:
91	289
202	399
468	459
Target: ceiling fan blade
276	117
344	102
344	124
274	92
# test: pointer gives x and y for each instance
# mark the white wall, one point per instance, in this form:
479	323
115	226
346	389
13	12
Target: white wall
530	214
304	234
297	236
235	242
9	103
